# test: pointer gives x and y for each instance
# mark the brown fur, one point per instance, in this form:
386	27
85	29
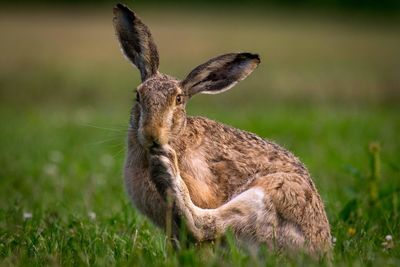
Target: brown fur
220	177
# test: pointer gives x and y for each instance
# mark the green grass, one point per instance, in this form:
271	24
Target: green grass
60	167
65	100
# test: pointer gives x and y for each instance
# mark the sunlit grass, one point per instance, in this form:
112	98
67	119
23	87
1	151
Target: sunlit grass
64	167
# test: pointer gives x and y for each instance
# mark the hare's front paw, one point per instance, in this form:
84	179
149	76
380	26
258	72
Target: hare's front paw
162	170
164	157
165	153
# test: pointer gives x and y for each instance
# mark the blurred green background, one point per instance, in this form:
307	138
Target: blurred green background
328	89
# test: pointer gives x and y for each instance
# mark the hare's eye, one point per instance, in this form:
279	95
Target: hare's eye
137	97
179	99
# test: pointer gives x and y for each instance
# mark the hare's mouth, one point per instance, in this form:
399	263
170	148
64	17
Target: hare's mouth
148	141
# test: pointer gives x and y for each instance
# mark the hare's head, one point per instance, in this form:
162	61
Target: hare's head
159	113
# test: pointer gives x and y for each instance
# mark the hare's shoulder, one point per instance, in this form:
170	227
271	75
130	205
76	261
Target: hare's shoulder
240	145
227	135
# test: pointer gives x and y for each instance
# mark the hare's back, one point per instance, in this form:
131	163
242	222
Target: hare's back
235	155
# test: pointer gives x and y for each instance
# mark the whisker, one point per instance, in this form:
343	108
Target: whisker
119	152
111	139
104	128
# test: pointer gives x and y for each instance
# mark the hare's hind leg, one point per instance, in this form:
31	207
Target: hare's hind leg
301	211
251	214
252	217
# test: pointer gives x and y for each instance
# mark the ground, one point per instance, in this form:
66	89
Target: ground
327	89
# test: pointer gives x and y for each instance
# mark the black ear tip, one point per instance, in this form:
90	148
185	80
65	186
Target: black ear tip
254	56
250	56
118	7
123	10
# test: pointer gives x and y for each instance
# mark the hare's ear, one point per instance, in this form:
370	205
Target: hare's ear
136	41
220	74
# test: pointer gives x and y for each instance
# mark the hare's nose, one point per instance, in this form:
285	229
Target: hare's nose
154	145
151	136
152	140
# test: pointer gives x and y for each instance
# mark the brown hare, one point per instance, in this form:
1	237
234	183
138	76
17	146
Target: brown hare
219	177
